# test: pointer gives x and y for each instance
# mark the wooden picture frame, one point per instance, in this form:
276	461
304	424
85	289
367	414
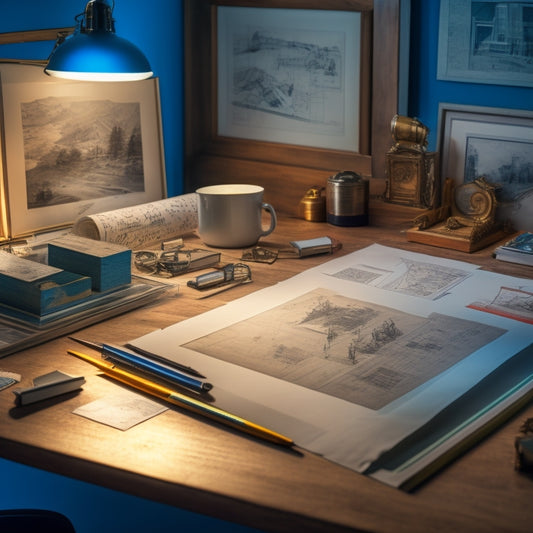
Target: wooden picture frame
286	171
293	76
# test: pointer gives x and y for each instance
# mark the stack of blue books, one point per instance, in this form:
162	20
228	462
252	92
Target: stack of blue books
517	250
107	264
37	288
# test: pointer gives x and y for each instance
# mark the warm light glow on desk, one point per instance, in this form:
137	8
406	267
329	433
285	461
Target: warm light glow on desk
95	53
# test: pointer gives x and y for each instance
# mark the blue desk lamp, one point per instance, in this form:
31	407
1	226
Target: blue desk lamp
93	52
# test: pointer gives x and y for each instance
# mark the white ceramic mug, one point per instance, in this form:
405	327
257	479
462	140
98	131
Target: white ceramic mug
229	216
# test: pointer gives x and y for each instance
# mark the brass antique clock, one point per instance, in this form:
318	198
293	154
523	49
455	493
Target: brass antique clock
411	170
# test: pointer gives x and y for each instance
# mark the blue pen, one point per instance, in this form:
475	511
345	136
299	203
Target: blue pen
127	358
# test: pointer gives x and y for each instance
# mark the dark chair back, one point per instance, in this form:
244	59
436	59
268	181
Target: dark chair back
34	521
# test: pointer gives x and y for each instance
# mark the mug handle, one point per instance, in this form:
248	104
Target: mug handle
273	219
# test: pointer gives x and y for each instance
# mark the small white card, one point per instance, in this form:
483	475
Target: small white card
121	410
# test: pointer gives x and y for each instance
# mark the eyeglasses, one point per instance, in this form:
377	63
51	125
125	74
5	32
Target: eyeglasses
167	263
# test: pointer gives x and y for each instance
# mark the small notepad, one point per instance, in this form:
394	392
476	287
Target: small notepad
121	410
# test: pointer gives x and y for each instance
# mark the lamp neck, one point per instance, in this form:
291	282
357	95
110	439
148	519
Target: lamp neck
98	17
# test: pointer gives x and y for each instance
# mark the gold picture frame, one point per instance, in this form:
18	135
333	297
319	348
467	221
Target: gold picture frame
55	141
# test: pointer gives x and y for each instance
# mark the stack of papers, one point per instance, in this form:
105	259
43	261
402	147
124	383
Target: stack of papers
384	361
107	264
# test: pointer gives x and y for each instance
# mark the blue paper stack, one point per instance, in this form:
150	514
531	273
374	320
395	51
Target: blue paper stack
39	289
107	264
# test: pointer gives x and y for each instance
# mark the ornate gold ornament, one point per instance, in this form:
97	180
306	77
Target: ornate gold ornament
411	170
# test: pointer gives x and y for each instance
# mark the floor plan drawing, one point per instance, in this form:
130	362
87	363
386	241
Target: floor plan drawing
362	274
414	278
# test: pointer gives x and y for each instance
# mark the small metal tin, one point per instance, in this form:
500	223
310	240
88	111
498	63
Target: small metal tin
312	206
347	199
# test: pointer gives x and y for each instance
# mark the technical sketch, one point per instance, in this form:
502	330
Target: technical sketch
425	279
357	351
505	163
275	73
516	304
361	274
486	42
414	278
291	76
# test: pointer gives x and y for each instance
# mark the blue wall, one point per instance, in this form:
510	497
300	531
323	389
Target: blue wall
156	28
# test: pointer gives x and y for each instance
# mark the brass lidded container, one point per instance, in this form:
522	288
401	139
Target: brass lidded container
312	206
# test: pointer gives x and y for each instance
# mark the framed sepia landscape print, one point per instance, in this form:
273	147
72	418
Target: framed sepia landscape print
76	148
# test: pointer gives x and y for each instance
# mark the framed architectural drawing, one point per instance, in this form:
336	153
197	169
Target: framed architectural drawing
75	148
486	42
294	85
493	143
289	75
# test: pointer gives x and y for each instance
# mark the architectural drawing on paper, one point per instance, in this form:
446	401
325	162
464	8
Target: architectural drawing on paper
505	163
81	149
425	279
360	274
414	278
486	41
513	303
297	78
499	35
357	351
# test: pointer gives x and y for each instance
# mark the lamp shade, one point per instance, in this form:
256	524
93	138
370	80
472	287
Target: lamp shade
95	53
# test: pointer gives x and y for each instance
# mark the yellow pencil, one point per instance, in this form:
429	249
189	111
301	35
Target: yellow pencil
191	404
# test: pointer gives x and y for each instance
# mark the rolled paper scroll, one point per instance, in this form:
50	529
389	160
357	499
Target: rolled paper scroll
143	224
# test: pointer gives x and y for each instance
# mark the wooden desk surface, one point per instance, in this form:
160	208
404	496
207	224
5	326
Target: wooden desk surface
186	461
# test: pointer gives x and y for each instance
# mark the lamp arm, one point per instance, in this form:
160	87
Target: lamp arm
16	37
27	36
33	62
